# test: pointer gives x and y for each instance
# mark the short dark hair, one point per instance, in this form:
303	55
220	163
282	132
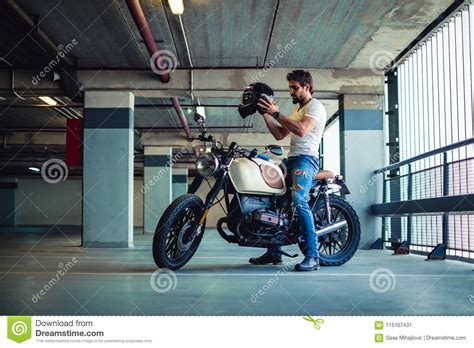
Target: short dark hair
301	76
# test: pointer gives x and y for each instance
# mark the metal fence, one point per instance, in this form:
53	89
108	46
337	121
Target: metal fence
430	210
428	201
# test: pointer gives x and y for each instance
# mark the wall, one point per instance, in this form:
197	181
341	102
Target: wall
40	203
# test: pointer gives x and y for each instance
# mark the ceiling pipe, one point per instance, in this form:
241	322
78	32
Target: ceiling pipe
196	152
137	106
12	71
271	33
191	65
184	121
43	40
139	129
141	68
145	31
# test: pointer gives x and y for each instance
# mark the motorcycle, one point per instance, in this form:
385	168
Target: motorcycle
258	209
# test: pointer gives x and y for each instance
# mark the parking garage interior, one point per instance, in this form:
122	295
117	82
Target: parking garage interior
97	120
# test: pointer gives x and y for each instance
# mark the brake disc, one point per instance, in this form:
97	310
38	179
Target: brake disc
182	245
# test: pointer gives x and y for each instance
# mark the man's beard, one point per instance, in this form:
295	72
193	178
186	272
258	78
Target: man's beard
295	100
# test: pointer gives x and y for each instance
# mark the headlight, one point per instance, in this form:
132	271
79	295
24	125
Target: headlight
207	164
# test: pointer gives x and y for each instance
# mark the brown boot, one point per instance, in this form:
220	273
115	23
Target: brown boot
266	258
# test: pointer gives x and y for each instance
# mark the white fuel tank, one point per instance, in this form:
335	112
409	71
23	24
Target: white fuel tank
258	177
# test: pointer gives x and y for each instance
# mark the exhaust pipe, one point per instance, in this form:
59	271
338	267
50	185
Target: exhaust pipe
331	228
227	237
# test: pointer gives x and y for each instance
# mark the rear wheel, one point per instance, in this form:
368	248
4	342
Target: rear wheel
173	243
339	246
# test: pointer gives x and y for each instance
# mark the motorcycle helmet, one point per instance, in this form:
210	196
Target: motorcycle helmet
250	97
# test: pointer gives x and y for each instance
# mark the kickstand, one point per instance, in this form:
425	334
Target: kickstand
286	254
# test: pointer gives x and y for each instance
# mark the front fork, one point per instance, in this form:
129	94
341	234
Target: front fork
211	196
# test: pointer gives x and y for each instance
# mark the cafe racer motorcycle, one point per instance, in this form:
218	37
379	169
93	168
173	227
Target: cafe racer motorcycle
258	207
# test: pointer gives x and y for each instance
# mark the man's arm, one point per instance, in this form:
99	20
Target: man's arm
300	128
277	131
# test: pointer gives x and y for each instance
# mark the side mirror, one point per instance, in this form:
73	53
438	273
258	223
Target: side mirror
277	150
199	118
201	121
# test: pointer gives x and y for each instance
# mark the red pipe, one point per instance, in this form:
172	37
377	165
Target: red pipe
142	24
183	119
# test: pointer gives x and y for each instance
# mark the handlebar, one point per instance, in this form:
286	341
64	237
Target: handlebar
234	147
202	137
250	154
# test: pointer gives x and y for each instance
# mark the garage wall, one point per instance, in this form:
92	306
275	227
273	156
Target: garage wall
40	203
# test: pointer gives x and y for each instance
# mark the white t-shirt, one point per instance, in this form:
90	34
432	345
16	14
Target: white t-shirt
309	144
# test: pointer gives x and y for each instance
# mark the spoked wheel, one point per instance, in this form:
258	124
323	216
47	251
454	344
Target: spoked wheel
174	243
339	246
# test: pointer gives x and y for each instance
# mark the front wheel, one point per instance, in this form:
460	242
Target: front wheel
173	243
339	246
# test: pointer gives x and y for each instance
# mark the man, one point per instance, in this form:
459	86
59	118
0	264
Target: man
306	125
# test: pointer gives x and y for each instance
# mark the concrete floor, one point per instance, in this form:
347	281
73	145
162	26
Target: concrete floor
220	281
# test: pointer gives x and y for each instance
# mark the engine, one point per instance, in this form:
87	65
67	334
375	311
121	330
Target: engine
266	217
256	216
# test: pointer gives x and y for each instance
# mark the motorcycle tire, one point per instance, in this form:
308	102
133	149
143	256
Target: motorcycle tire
351	243
165	234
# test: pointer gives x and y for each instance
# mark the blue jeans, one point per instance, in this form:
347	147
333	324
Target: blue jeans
302	169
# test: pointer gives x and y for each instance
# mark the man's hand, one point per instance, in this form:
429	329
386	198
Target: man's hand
269	106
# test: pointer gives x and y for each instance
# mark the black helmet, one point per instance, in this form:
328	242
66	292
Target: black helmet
250	97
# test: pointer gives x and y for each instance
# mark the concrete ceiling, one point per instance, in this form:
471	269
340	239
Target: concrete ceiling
221	33
327	34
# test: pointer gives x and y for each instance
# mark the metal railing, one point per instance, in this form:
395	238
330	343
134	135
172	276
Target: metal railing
429	210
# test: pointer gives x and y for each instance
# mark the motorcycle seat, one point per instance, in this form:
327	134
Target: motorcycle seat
324	174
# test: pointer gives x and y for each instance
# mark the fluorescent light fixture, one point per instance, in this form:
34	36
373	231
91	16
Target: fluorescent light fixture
34	169
49	100
189	110
176	6
201	110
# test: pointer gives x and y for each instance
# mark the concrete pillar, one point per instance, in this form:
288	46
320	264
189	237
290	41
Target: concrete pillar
8	187
108	169
180	182
157	184
362	151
